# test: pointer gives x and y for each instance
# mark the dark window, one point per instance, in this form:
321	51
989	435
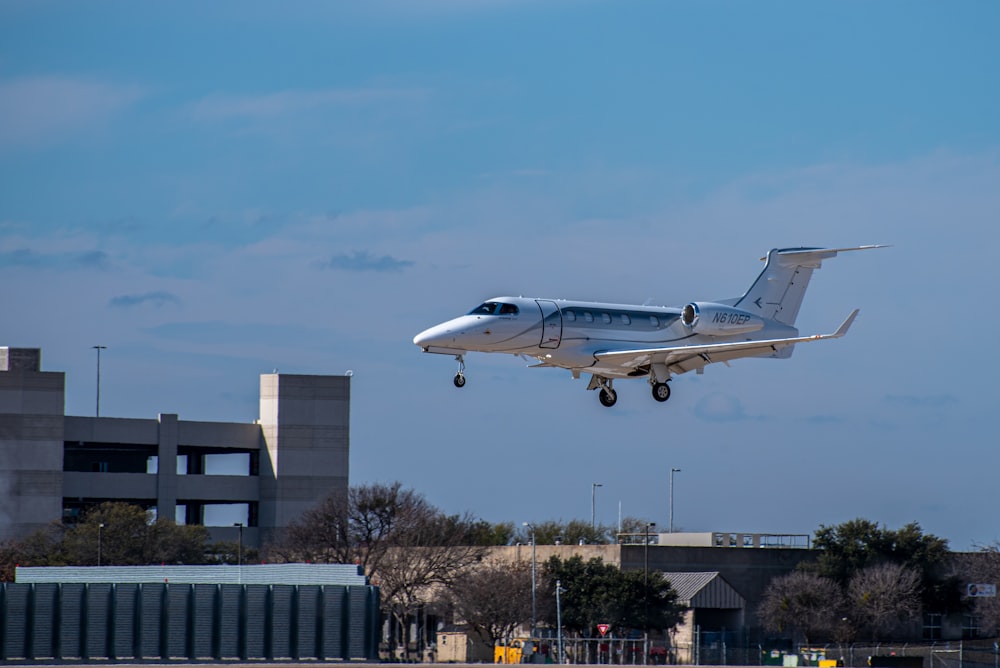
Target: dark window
508	309
488	308
932	626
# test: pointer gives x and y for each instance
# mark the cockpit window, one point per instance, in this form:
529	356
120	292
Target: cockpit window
489	308
495	308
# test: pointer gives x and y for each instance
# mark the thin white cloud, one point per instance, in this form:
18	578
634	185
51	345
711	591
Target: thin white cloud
42	110
221	106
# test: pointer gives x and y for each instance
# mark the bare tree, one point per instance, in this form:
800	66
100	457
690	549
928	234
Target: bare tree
880	596
493	599
807	605
405	544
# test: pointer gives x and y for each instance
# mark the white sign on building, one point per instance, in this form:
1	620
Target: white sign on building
981	590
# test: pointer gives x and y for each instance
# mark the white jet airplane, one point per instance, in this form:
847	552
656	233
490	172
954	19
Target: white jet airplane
612	341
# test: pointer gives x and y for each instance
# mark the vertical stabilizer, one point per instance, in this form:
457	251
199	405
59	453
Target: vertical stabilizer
778	291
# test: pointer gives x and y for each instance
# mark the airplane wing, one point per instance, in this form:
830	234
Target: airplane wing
688	358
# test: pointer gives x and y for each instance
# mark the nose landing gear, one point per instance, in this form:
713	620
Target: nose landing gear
459	378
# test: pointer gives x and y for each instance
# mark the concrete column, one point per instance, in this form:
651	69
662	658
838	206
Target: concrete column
305	422
31	443
166	477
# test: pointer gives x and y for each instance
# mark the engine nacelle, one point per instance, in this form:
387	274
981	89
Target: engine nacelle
719	319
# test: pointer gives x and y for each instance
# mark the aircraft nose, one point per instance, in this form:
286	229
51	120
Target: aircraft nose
430	337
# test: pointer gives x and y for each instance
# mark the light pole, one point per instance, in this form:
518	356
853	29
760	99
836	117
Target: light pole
100	530
559	619
672	472
645	575
533	590
239	551
99	349
593	499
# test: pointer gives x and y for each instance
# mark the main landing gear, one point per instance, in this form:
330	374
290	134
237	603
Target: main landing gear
459	378
607	393
661	391
608	396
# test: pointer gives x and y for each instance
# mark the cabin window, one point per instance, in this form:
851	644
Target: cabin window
654	321
489	308
508	309
626	320
606	317
570	316
588	316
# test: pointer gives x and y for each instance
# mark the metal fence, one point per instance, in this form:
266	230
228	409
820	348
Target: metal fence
979	653
77	622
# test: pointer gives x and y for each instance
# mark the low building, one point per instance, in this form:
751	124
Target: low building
282	612
265	473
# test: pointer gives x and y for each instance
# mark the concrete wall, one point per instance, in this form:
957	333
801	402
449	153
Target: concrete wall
305	422
749	571
31	442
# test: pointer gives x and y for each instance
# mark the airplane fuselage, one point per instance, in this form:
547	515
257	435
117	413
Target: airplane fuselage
567	334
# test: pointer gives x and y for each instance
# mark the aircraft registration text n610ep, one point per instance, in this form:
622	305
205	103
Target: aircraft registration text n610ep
610	341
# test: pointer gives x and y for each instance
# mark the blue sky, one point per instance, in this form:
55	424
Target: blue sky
214	191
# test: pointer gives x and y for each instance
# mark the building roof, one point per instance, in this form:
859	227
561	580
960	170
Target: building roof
265	574
705	590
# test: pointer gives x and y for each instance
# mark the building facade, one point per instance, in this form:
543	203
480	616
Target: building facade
243	481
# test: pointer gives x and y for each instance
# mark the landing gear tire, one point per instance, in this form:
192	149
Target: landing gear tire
661	391
608	397
459	380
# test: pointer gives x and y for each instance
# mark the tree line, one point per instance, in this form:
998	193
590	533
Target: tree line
864	583
871	583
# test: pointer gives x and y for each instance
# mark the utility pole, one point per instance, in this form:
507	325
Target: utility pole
239	552
533	586
593	499
100	530
559	619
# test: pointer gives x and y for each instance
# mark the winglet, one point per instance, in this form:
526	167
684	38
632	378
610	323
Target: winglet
846	325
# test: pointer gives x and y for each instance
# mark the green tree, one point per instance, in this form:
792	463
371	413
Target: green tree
126	535
551	532
594	592
850	547
856	544
482	532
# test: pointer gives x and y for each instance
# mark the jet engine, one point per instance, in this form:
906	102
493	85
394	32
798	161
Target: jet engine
719	319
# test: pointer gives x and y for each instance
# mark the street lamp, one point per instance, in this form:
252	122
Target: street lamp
559	590
645	573
100	530
672	472
99	349
533	590
593	498
239	552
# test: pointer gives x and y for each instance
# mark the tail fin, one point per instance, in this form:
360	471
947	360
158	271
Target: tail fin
778	291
